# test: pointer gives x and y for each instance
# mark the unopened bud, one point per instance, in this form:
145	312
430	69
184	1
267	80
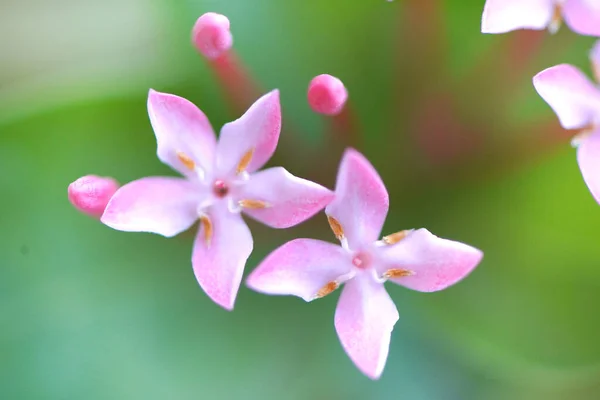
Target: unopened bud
211	35
327	95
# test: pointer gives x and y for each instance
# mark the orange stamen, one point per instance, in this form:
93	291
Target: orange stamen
245	161
397	273
395	237
327	289
336	227
253	204
185	160
208	229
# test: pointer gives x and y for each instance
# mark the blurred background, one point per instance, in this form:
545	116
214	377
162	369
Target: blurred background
447	115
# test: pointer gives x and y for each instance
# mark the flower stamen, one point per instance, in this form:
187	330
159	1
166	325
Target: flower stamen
208	229
253	204
186	160
397	273
245	161
336	227
556	21
395	237
327	289
582	134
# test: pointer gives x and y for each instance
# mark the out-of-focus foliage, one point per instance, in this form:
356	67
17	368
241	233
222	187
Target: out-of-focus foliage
448	116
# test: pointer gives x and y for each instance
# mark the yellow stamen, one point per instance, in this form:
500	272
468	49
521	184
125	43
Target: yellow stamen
208	229
583	134
397	273
395	237
245	161
556	21
253	204
336	227
327	289
185	160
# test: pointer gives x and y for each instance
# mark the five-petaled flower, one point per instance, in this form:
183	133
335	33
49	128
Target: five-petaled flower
576	102
220	181
365	314
582	16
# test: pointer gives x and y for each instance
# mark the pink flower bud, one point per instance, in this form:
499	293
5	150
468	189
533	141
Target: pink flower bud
327	95
90	194
211	35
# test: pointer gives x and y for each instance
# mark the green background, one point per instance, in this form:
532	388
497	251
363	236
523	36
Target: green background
447	115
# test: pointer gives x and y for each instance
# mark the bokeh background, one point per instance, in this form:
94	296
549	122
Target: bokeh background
447	115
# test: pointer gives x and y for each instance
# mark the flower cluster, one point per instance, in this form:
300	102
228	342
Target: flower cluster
221	179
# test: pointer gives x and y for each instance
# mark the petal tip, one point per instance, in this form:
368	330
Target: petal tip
91	194
273	97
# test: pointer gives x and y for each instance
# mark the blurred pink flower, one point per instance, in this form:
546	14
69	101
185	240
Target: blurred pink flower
576	101
220	182
90	194
365	314
582	16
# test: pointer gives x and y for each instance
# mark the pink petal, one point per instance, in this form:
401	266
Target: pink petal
437	263
595	59
219	264
291	200
583	16
361	201
574	99
257	130
180	127
300	268
500	16
90	194
588	157
364	320
162	205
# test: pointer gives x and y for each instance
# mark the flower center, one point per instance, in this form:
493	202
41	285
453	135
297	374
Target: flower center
220	188
362	260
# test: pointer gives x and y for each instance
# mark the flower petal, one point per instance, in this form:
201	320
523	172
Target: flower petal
162	205
181	129
436	263
219	262
500	16
588	157
300	268
91	193
256	131
583	16
574	99
364	319
290	200
361	201
595	59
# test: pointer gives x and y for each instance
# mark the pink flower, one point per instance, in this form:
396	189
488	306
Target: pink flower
220	181
365	314
582	16
90	194
576	102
